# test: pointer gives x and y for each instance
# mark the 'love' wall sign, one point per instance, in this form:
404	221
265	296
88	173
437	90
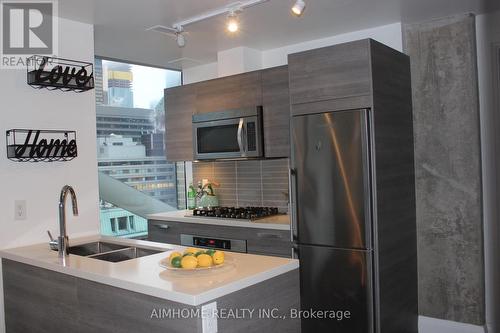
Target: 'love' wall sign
58	73
29	145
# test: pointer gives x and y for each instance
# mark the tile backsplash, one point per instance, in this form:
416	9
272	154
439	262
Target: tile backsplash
247	183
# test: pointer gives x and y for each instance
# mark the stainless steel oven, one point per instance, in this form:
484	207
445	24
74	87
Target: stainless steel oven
228	134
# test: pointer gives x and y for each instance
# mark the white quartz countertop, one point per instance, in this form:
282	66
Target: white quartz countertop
276	222
144	275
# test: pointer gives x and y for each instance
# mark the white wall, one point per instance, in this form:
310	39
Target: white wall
238	60
388	34
200	73
39	183
243	59
488	32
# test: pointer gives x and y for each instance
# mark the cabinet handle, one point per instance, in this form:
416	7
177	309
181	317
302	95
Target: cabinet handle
162	226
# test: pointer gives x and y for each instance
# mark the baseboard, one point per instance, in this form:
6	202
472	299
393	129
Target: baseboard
433	325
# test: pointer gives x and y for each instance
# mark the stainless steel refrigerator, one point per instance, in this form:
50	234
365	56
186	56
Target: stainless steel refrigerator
331	184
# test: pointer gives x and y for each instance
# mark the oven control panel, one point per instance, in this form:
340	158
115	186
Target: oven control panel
235	245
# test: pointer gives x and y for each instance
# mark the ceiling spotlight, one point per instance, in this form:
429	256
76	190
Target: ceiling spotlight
181	40
232	24
298	7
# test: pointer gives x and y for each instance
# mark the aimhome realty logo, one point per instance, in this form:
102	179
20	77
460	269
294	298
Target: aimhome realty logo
27	28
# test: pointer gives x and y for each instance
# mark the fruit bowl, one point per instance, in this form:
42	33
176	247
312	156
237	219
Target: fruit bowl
193	259
164	263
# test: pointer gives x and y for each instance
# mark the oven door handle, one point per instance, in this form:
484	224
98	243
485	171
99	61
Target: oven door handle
240	137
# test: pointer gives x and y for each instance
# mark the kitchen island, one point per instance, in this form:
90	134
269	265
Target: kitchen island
251	293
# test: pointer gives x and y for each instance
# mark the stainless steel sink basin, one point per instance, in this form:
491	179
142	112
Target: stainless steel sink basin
89	249
111	252
125	254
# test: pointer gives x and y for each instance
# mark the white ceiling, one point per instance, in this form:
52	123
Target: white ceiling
120	24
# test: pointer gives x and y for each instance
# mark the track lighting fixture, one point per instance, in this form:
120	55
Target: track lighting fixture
232	23
176	32
299	7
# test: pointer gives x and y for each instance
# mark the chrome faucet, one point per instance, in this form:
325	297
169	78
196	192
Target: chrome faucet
62	240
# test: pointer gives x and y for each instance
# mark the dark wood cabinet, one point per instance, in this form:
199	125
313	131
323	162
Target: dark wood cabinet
45	301
180	105
340	73
231	92
259	241
276	102
268	88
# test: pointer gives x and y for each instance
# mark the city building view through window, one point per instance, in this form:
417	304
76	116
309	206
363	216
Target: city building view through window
131	149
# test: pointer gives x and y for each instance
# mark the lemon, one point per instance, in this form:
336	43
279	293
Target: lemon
204	260
173	255
218	257
176	262
189	262
191	250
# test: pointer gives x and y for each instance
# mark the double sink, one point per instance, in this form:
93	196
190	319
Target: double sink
111	252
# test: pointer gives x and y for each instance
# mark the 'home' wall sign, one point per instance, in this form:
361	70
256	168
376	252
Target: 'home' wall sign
29	145
58	73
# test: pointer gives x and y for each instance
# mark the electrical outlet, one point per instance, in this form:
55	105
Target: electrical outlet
20	210
209	318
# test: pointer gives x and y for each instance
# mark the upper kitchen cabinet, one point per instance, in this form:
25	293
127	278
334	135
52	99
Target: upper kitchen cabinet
180	105
231	92
268	88
276	102
341	73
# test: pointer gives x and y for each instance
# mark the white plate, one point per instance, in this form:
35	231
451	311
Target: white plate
164	263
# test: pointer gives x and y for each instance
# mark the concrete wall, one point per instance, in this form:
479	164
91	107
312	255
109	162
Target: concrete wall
448	168
488	41
39	183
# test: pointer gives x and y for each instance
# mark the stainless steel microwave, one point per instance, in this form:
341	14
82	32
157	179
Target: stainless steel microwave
230	134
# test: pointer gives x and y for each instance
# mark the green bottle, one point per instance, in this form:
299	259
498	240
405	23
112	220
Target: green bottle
191	197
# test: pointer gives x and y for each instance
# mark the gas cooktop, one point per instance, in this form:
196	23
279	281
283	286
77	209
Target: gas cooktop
237	213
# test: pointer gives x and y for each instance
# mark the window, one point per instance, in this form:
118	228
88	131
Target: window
130	126
112	222
131	221
123	223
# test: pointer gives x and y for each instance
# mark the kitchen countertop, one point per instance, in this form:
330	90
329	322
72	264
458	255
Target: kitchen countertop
276	222
144	275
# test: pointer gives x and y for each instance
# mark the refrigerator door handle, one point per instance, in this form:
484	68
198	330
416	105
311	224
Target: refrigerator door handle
293	205
295	251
